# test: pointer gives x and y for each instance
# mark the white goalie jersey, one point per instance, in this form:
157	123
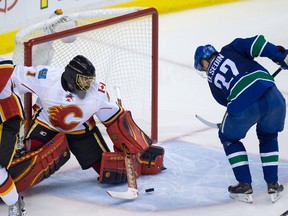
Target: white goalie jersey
61	110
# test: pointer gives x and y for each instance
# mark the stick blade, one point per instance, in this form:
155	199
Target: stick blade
208	123
131	193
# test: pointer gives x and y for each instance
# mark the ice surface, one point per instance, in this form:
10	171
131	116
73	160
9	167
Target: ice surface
198	174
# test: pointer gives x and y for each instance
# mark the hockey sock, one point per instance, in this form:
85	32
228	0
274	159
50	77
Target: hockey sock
8	191
237	157
269	158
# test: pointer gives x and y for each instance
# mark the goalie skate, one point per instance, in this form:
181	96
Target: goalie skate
241	192
18	209
274	189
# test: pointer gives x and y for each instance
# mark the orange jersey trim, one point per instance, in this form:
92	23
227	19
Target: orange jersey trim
7	186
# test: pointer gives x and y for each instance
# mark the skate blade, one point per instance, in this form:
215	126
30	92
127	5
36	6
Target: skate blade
275	197
242	197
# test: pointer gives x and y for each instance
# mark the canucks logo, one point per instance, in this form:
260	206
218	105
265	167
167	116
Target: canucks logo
42	73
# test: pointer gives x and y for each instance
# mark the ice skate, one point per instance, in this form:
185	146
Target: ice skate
274	189
18	209
242	192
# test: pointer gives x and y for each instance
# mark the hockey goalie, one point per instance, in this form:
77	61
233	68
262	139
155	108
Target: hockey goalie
68	99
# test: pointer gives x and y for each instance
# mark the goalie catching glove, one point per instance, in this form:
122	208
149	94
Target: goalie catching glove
149	162
123	131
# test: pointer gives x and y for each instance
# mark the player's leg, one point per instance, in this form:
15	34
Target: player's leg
9	136
8	132
149	162
91	150
35	166
88	148
234	128
44	152
268	127
36	137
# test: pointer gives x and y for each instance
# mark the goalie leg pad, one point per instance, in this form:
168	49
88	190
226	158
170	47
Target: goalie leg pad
34	167
152	160
124	130
112	170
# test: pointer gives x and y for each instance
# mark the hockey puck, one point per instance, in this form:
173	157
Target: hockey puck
149	190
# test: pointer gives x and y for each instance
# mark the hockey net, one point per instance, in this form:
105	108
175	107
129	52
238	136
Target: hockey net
121	43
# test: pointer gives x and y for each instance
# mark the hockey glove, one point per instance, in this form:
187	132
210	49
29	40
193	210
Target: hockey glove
283	60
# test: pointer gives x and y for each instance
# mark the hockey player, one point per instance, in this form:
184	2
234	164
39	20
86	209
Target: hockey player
249	92
69	97
11	116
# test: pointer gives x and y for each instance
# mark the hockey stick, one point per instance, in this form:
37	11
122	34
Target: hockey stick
277	72
218	125
132	192
208	123
285	213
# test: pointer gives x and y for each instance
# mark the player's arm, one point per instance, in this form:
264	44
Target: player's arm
218	95
258	46
24	79
32	79
6	70
122	130
120	125
147	159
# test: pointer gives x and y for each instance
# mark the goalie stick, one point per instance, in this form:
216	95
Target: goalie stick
218	125
132	192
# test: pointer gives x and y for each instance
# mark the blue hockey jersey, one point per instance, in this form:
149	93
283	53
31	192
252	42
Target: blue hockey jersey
236	80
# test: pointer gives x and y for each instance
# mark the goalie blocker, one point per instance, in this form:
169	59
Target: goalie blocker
147	158
34	167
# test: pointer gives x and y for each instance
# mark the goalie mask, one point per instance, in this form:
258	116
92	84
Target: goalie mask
79	75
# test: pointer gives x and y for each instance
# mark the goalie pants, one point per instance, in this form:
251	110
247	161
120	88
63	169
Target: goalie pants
268	113
87	147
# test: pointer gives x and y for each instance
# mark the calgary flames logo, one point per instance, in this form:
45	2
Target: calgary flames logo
58	116
7	5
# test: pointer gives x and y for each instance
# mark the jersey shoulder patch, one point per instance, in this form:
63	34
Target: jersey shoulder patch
42	74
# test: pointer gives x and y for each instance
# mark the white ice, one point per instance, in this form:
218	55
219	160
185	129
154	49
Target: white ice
198	174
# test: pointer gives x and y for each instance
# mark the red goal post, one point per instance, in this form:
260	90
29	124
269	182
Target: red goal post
122	44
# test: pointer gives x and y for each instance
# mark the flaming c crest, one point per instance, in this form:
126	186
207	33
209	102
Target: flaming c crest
58	115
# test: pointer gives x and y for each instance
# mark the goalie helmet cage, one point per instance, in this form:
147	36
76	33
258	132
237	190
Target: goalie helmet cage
122	44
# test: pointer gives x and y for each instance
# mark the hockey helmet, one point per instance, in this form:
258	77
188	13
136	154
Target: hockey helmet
79	74
203	52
